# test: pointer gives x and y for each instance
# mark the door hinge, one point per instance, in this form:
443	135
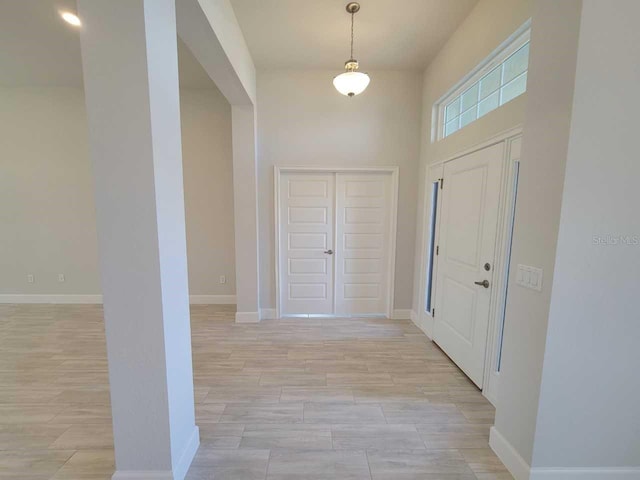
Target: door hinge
433	312
441	183
437	249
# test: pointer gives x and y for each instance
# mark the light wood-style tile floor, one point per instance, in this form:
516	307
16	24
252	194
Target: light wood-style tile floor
281	400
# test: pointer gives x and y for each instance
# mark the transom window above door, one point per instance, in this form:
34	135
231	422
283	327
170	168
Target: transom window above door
497	80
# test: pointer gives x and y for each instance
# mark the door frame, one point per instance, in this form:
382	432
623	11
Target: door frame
424	320
393	223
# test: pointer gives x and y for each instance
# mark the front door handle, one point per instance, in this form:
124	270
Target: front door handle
329	252
484	283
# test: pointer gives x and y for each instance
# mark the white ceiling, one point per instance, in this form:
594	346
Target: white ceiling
39	49
315	33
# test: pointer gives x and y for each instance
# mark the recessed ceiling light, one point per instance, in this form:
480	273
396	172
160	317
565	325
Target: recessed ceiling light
71	18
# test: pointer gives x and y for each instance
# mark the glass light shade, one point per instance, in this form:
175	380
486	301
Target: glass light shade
351	83
71	18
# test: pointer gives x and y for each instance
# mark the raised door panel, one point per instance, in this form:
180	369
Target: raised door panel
306	233
363	207
467	241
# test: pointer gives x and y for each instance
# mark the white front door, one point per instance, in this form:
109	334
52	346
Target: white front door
466	257
306	243
334	243
362	231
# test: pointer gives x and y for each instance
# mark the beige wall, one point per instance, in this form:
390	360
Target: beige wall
208	179
544	151
303	120
544	112
488	25
588	413
46	192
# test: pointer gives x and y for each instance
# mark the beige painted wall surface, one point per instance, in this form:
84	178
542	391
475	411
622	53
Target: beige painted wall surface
588	413
208	178
544	152
303	120
488	25
46	192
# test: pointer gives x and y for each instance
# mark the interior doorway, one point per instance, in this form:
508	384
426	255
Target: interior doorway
335	245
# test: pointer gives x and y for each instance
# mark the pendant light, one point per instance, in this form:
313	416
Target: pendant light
351	82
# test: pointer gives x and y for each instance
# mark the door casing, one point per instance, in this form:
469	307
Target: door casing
391	257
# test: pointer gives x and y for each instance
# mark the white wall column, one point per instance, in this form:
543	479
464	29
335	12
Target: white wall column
130	66
245	207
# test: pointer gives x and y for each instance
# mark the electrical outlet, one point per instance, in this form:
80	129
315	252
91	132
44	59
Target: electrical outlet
61	277
223	279
30	278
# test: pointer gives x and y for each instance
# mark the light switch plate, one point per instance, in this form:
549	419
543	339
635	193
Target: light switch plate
529	277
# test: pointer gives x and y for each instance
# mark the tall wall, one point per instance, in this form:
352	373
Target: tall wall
555	27
46	192
588	413
208	194
488	25
304	121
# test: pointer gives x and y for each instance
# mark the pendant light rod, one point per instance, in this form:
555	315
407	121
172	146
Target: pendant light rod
352	8
351	55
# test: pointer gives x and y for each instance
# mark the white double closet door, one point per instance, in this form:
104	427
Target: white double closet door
334	243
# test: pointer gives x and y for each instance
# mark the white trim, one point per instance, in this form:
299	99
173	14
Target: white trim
600	473
276	205
497	138
521	470
247	317
184	462
511	459
426	325
393	233
512	44
503	249
402	314
393	224
57	299
143	475
268	314
212	299
424	320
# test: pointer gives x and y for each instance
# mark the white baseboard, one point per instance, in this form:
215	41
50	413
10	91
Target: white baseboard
247	317
518	467
521	470
58	299
182	467
179	471
401	314
612	473
267	313
425	325
97	299
212	299
142	475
